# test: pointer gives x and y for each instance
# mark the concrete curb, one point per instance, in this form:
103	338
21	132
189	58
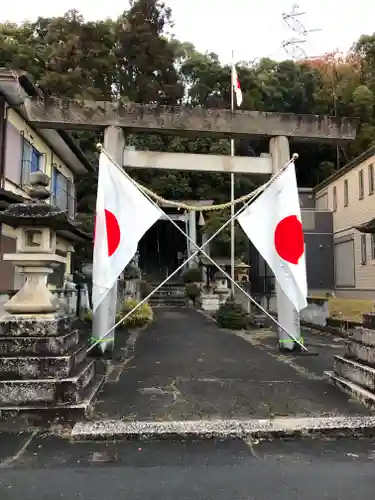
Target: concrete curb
206	429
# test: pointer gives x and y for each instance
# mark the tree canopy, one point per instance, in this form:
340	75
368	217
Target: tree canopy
137	58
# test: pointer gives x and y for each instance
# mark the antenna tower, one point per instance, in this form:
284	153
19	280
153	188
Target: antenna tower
294	46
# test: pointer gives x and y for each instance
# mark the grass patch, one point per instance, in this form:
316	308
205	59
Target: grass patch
351	309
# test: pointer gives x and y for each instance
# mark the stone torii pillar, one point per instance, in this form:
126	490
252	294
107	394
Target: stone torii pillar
105	314
287	315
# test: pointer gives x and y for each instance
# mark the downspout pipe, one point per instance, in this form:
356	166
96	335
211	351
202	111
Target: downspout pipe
3	129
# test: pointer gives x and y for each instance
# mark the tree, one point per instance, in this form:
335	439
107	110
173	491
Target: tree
220	246
145	62
136	58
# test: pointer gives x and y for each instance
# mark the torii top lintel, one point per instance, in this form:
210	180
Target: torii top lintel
185	121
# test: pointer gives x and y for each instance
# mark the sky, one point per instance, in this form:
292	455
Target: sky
223	26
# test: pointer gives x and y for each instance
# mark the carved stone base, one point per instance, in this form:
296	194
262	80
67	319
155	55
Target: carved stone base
43	365
34	297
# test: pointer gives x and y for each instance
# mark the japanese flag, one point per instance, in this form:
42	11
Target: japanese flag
273	224
123	215
236	86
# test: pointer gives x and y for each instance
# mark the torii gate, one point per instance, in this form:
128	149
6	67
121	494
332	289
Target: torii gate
117	119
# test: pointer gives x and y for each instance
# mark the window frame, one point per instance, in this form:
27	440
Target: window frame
334	198
346	192
371	180
373	246
363	249
361	185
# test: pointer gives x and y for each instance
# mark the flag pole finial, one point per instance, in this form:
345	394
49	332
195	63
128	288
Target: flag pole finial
295	156
99	146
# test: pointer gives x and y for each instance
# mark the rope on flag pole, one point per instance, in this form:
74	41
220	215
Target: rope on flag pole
200	250
232	224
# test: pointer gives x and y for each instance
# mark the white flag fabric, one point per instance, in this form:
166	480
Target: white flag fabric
123	215
236	86
273	224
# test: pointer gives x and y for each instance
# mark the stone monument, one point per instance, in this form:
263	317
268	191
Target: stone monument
43	364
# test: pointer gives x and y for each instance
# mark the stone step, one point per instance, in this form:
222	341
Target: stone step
167	285
168	294
168	302
155	306
47	391
39	346
354	390
360	352
168	291
39	414
28	367
362	375
51	325
363	336
168	297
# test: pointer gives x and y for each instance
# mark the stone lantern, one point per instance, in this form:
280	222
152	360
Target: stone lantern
44	368
35	255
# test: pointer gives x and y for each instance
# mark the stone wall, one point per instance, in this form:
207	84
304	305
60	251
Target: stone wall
354	373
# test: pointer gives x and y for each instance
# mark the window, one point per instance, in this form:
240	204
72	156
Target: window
344	260
361	185
346	193
334	201
31	161
373	246
363	250
63	195
13	154
371	179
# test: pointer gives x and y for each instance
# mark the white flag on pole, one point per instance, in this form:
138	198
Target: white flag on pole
236	86
123	215
273	224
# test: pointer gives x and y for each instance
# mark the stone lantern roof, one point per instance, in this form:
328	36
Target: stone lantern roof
37	213
41	214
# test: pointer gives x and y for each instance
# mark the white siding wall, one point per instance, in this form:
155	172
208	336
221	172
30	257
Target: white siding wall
357	211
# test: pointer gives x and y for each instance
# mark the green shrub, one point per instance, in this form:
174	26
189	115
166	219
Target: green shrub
193	291
145	289
87	318
231	315
140	317
192	275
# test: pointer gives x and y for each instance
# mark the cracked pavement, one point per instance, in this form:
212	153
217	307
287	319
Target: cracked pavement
185	368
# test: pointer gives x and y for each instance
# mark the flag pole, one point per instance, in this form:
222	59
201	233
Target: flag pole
232	237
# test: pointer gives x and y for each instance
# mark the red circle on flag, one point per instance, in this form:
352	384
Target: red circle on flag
289	242
113	232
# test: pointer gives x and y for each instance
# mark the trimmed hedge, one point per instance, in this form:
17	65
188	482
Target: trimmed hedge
232	316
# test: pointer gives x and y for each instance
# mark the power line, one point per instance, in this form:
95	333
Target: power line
294	46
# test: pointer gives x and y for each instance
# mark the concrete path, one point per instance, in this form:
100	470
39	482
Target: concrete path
186	368
49	468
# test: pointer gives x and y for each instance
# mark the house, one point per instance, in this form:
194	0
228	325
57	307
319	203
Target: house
349	194
24	150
